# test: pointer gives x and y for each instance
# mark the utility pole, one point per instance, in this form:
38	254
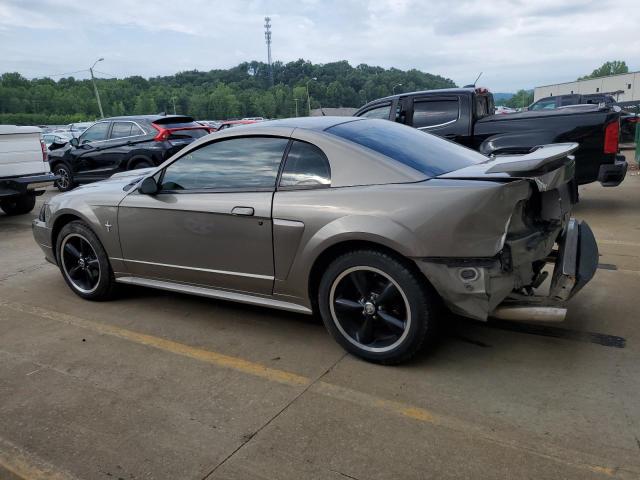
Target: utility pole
95	88
296	100
173	99
267	37
309	96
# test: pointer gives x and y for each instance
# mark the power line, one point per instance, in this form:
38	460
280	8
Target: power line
105	73
61	74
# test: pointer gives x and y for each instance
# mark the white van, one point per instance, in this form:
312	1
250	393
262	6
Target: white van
24	168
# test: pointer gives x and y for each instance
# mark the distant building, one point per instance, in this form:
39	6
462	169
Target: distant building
333	112
624	87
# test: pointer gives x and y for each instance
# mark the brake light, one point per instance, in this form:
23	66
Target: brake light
163	133
611	137
45	155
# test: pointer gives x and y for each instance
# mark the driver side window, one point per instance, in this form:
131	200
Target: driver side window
243	163
94	133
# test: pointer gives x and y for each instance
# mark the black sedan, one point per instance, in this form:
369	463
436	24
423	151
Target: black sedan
118	144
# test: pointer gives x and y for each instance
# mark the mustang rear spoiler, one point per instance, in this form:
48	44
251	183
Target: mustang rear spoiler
547	165
541	159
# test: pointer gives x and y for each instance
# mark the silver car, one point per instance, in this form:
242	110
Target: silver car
371	224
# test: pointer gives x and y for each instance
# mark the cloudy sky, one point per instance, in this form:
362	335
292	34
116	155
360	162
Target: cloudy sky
516	43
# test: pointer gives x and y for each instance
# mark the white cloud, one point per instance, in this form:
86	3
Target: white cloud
516	43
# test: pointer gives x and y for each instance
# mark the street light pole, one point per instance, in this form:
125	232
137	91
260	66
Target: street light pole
95	88
309	96
393	90
296	100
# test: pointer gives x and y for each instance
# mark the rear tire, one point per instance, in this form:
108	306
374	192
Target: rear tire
376	306
84	263
65	182
18	205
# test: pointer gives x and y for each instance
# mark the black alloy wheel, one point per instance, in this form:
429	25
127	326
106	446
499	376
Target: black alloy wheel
80	263
83	262
377	305
370	309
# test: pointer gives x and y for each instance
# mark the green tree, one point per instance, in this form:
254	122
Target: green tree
522	98
614	67
243	90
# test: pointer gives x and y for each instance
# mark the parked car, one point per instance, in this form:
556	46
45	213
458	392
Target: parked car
628	123
464	115
122	143
24	171
234	123
368	222
628	120
502	110
551	103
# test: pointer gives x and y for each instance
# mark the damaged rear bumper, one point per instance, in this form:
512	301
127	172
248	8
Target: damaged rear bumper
483	287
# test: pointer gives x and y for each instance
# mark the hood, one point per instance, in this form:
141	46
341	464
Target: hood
547	165
106	192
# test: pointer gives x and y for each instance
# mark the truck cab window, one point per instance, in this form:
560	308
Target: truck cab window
435	113
382	112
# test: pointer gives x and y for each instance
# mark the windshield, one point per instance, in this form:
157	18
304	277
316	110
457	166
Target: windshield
419	150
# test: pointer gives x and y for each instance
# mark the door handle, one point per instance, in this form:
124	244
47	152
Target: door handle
247	211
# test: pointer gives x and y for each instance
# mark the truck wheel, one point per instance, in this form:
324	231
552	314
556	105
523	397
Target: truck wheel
65	182
18	205
84	263
376	307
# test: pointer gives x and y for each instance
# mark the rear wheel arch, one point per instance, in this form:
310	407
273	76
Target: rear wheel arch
324	259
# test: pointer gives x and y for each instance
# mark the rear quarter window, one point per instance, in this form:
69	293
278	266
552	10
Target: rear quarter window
424	152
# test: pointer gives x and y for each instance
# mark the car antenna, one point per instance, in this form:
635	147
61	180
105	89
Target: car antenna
473	85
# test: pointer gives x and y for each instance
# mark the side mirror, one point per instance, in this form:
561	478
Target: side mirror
74	142
149	186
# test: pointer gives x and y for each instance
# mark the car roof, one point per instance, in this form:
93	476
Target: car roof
149	118
309	123
419	92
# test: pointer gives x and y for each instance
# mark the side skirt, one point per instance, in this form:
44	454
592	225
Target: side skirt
214	293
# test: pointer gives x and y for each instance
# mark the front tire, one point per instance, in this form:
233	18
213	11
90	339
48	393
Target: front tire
65	181
18	205
84	263
376	306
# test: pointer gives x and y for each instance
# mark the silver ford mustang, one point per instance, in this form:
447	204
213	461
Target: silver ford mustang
370	223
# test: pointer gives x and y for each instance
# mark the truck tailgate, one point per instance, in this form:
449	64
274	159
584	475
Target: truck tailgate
21	151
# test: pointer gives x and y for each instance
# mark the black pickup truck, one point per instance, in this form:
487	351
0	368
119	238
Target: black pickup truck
465	116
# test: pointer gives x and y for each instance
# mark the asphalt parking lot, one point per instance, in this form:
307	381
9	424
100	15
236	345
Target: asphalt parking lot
167	386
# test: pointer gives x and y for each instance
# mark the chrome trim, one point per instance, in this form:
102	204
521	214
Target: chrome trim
110	128
197	269
143	134
441	124
214	293
287	223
